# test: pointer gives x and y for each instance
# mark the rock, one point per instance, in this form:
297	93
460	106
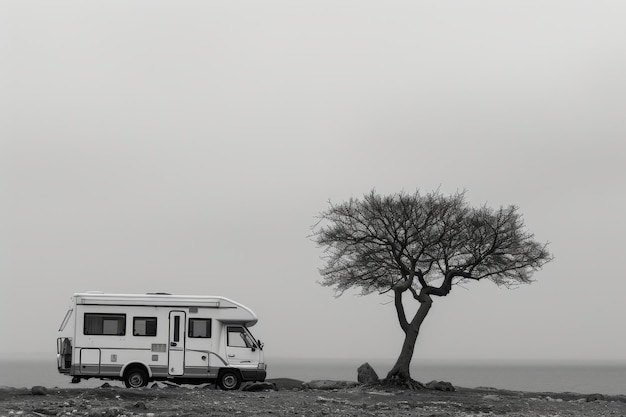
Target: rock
259	386
286	383
141	405
44	412
594	397
440	386
367	375
487	388
112	412
324	384
105	385
492	397
39	390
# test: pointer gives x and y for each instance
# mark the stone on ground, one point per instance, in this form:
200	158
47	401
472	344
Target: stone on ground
367	375
324	384
39	390
440	386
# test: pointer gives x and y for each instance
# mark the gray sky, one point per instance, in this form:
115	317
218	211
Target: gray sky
187	146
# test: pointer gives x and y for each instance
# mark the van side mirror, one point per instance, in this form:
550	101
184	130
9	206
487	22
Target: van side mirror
260	344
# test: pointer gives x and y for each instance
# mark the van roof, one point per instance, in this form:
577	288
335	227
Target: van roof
241	312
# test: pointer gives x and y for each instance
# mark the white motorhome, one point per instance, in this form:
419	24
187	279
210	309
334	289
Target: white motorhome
139	338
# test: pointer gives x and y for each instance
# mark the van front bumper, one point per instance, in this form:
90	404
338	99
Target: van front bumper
253	374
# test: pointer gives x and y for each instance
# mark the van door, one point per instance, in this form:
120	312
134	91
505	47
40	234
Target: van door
241	347
176	356
89	361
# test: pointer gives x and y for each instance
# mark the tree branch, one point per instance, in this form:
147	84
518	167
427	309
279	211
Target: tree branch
398	290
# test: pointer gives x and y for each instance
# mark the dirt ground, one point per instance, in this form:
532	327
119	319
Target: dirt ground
290	399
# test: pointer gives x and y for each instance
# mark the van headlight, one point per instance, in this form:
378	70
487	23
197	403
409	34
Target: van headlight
261	366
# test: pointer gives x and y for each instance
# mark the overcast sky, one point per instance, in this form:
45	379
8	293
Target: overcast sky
187	146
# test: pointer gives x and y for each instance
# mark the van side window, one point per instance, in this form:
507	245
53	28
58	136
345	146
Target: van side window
144	326
176	328
105	324
200	328
237	337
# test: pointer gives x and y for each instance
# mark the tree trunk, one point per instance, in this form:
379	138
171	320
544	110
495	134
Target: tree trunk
400	373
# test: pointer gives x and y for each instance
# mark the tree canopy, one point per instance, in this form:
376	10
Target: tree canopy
381	241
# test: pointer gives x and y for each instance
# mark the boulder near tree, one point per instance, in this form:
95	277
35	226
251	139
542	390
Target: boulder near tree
422	245
366	374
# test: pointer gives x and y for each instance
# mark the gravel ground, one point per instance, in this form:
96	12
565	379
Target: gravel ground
289	399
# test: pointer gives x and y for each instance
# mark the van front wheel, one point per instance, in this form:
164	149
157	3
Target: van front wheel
229	380
136	378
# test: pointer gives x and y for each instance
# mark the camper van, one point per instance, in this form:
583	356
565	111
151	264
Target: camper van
139	338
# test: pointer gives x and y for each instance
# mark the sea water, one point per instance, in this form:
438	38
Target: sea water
538	377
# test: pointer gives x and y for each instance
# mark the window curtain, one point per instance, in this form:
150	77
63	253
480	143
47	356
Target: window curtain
93	324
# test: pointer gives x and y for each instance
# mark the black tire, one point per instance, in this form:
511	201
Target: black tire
229	380
136	378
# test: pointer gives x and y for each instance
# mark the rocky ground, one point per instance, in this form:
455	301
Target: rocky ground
286	397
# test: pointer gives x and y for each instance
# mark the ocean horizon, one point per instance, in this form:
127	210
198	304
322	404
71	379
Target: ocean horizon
583	378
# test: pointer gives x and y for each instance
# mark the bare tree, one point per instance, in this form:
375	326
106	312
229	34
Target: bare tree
422	245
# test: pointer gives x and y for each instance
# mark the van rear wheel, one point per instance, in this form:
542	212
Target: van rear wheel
229	380
136	378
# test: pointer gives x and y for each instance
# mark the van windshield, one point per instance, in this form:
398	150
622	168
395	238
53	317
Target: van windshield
253	340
